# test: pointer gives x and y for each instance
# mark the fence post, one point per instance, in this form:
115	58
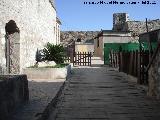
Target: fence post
124	62
119	60
90	58
130	63
71	55
78	58
134	64
83	59
111	58
142	67
75	58
114	61
139	67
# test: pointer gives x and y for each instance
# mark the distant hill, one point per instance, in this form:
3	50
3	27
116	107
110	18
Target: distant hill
70	36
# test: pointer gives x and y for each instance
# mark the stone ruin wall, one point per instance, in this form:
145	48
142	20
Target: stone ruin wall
139	27
121	22
35	20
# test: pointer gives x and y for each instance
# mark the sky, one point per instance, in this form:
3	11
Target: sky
77	16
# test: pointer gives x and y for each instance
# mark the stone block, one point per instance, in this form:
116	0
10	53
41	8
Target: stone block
13	93
46	74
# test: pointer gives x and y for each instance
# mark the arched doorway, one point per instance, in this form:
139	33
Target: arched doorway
12	52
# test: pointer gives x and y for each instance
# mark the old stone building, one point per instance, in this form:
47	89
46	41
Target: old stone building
25	26
122	22
119	20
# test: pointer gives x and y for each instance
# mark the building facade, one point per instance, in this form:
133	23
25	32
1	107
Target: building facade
25	26
110	36
57	30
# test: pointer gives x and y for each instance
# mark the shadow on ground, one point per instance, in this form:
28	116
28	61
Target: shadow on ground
40	95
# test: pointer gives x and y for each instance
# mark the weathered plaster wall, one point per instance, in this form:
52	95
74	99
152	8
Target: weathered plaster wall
120	39
36	21
84	48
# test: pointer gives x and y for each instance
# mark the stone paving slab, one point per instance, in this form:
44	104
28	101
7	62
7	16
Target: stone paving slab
41	94
96	93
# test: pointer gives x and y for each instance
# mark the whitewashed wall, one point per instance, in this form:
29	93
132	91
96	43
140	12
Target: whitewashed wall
35	19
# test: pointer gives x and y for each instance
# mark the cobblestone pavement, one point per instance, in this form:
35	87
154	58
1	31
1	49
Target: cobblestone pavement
104	94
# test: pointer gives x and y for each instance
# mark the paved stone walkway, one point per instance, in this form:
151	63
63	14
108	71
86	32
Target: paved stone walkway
104	94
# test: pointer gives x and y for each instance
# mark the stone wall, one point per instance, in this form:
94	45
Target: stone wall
140	26
119	19
68	36
13	92
154	77
36	21
121	22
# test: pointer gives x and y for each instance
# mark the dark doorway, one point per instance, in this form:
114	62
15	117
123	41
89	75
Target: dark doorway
79	40
12	52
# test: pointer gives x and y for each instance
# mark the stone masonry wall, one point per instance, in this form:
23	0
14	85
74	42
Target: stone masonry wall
121	22
35	19
13	92
140	26
119	19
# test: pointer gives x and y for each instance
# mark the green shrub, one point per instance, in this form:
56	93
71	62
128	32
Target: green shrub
54	53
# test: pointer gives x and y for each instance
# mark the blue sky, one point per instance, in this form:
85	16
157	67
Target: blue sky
75	15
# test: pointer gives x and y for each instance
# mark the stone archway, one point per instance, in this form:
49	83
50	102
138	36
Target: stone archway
12	52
